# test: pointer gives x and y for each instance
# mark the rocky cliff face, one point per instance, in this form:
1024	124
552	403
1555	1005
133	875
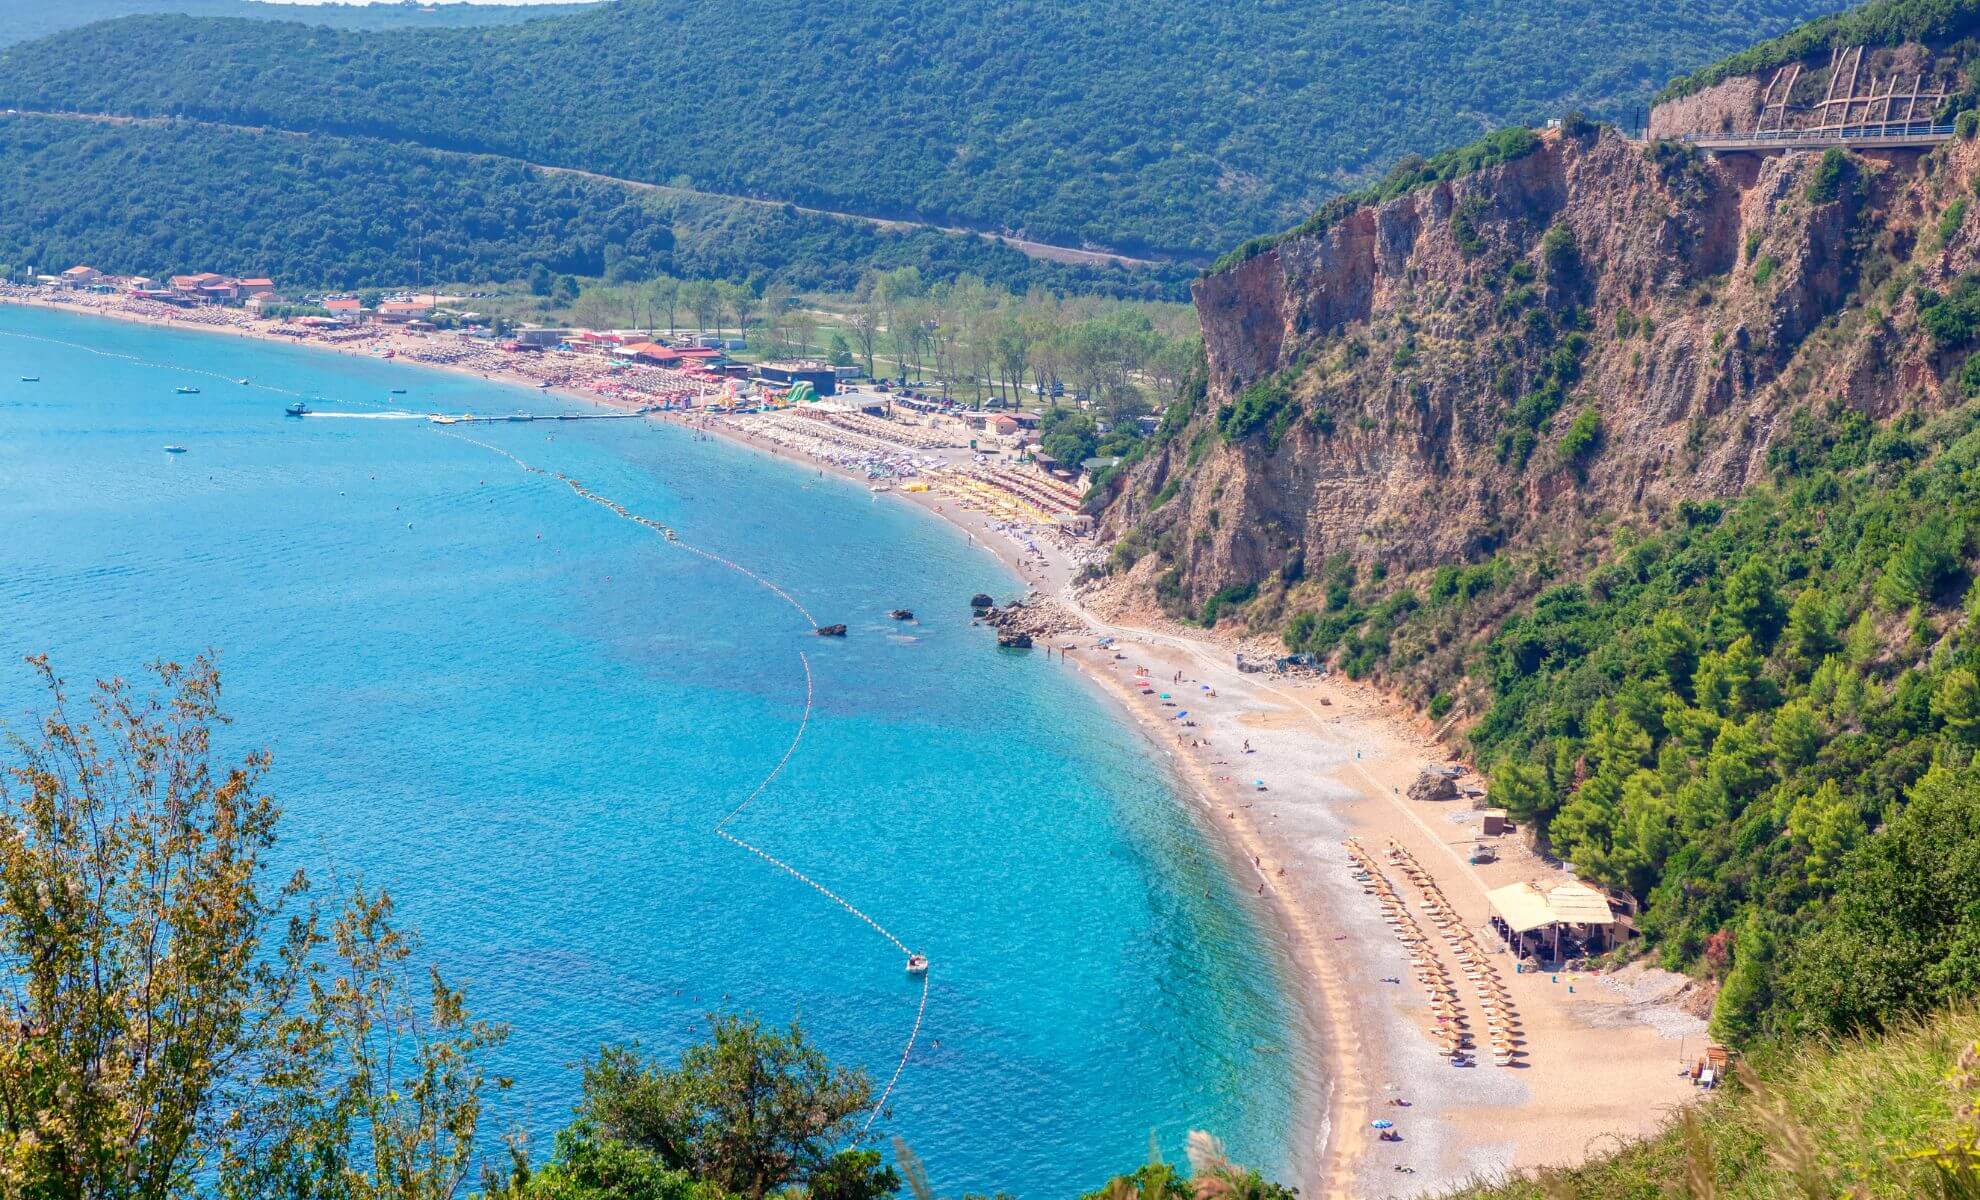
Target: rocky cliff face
1530	358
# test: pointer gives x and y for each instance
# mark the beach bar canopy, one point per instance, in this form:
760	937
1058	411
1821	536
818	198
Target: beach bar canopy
1523	909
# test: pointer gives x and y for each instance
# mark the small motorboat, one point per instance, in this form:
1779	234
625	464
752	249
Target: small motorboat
917	964
902	614
298	409
175	449
187	391
30	379
398	391
242	382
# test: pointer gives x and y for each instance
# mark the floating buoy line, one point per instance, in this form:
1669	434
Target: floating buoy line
917	964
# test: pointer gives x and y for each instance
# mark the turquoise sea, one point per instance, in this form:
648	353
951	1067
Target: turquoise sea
523	715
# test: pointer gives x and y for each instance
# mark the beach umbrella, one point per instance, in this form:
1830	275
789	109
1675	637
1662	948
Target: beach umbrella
1382	1124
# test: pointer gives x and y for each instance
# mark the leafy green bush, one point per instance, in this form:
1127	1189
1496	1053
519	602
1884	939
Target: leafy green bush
1235	595
1464	223
1764	270
1952	319
1582	438
1951	219
1833	176
1559	252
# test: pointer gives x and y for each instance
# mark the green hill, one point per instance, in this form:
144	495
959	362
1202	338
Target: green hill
1141	125
153	197
24	20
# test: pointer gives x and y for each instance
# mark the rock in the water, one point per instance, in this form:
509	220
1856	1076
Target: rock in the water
1013	641
902	614
981	600
1433	785
831	631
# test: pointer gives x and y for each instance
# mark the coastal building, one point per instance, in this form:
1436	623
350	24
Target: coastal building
399	312
261	302
81	277
348	309
652	354
822	378
250	288
193	288
539	338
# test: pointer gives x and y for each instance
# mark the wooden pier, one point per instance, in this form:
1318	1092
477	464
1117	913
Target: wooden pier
471	419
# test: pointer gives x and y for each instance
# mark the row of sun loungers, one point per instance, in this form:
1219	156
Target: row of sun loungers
1502	1027
1431	974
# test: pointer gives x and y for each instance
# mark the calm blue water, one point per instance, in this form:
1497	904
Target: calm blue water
523	716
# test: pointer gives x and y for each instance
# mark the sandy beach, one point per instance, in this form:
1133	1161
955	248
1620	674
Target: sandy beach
1282	771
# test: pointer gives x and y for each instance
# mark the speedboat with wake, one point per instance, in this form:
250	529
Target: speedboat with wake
298	409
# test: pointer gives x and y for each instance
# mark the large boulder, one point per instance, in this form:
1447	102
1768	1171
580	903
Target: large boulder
1433	784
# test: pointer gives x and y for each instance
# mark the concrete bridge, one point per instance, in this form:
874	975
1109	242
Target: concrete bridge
1860	137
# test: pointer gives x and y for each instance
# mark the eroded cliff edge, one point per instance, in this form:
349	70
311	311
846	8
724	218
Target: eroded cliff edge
1533	358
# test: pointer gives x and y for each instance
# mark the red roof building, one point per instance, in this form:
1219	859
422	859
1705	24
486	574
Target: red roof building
651	352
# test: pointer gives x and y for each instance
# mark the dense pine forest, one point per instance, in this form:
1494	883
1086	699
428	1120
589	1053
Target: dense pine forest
1147	126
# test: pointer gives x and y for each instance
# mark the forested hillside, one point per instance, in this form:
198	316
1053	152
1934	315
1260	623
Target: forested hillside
353	212
1132	124
23	20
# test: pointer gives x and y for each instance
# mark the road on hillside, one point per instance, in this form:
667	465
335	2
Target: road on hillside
1044	251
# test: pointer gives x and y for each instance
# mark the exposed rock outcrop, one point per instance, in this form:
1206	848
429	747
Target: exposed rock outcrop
1035	617
1532	357
1427	378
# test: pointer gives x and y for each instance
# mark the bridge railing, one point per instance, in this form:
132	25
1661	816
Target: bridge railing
1879	133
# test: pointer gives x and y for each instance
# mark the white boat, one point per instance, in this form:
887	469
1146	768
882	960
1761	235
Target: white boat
187	391
917	964
30	379
175	449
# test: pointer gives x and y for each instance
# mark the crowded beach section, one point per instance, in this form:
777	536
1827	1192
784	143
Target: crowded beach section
1437	954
